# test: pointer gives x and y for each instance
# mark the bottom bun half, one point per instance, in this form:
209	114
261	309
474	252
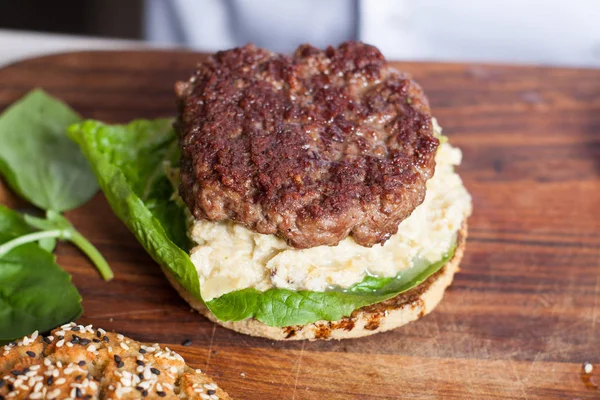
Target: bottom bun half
381	317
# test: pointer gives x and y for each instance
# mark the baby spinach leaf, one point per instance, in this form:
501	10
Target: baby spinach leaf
125	159
35	294
37	159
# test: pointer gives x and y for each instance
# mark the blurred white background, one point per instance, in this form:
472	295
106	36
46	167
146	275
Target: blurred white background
554	32
544	32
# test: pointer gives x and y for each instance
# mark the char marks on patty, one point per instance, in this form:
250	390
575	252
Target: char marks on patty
312	148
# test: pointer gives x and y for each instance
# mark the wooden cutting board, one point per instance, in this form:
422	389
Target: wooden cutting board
520	319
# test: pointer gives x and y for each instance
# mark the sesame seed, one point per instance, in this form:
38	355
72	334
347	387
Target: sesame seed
69	344
124	346
102	331
34	335
588	368
155	371
36	395
60	381
60	343
204	396
30	353
68	371
38	386
187	342
159	387
161	394
120	337
53	394
198	371
91	348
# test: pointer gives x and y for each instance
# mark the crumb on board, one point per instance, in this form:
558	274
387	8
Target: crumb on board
588	368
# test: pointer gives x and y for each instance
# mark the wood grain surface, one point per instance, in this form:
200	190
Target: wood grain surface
521	317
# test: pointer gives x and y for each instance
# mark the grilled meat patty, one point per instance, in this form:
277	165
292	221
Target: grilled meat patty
312	148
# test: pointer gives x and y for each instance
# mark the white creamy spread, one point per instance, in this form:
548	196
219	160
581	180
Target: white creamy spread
230	257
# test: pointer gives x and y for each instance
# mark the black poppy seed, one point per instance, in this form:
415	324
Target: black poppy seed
75	329
2	397
105	338
139	388
98	334
87	396
155	371
120	364
16	372
78	393
30	353
2	382
144	393
60	337
81	363
96	340
187	342
47	340
75	339
140	362
78	377
141	376
50	380
10	387
142	351
84	342
117	358
210	392
161	394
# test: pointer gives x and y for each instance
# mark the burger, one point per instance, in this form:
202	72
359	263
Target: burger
319	195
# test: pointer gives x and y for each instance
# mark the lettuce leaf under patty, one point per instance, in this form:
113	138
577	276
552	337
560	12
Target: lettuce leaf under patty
129	161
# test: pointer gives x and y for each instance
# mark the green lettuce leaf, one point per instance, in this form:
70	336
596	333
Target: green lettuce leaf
35	293
129	163
38	160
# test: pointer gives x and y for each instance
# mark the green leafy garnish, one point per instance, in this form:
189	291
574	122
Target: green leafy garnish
38	160
127	162
35	294
41	164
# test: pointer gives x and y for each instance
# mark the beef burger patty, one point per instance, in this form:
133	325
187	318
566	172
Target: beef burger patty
311	148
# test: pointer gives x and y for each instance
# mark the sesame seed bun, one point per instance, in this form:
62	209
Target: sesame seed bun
77	361
397	311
